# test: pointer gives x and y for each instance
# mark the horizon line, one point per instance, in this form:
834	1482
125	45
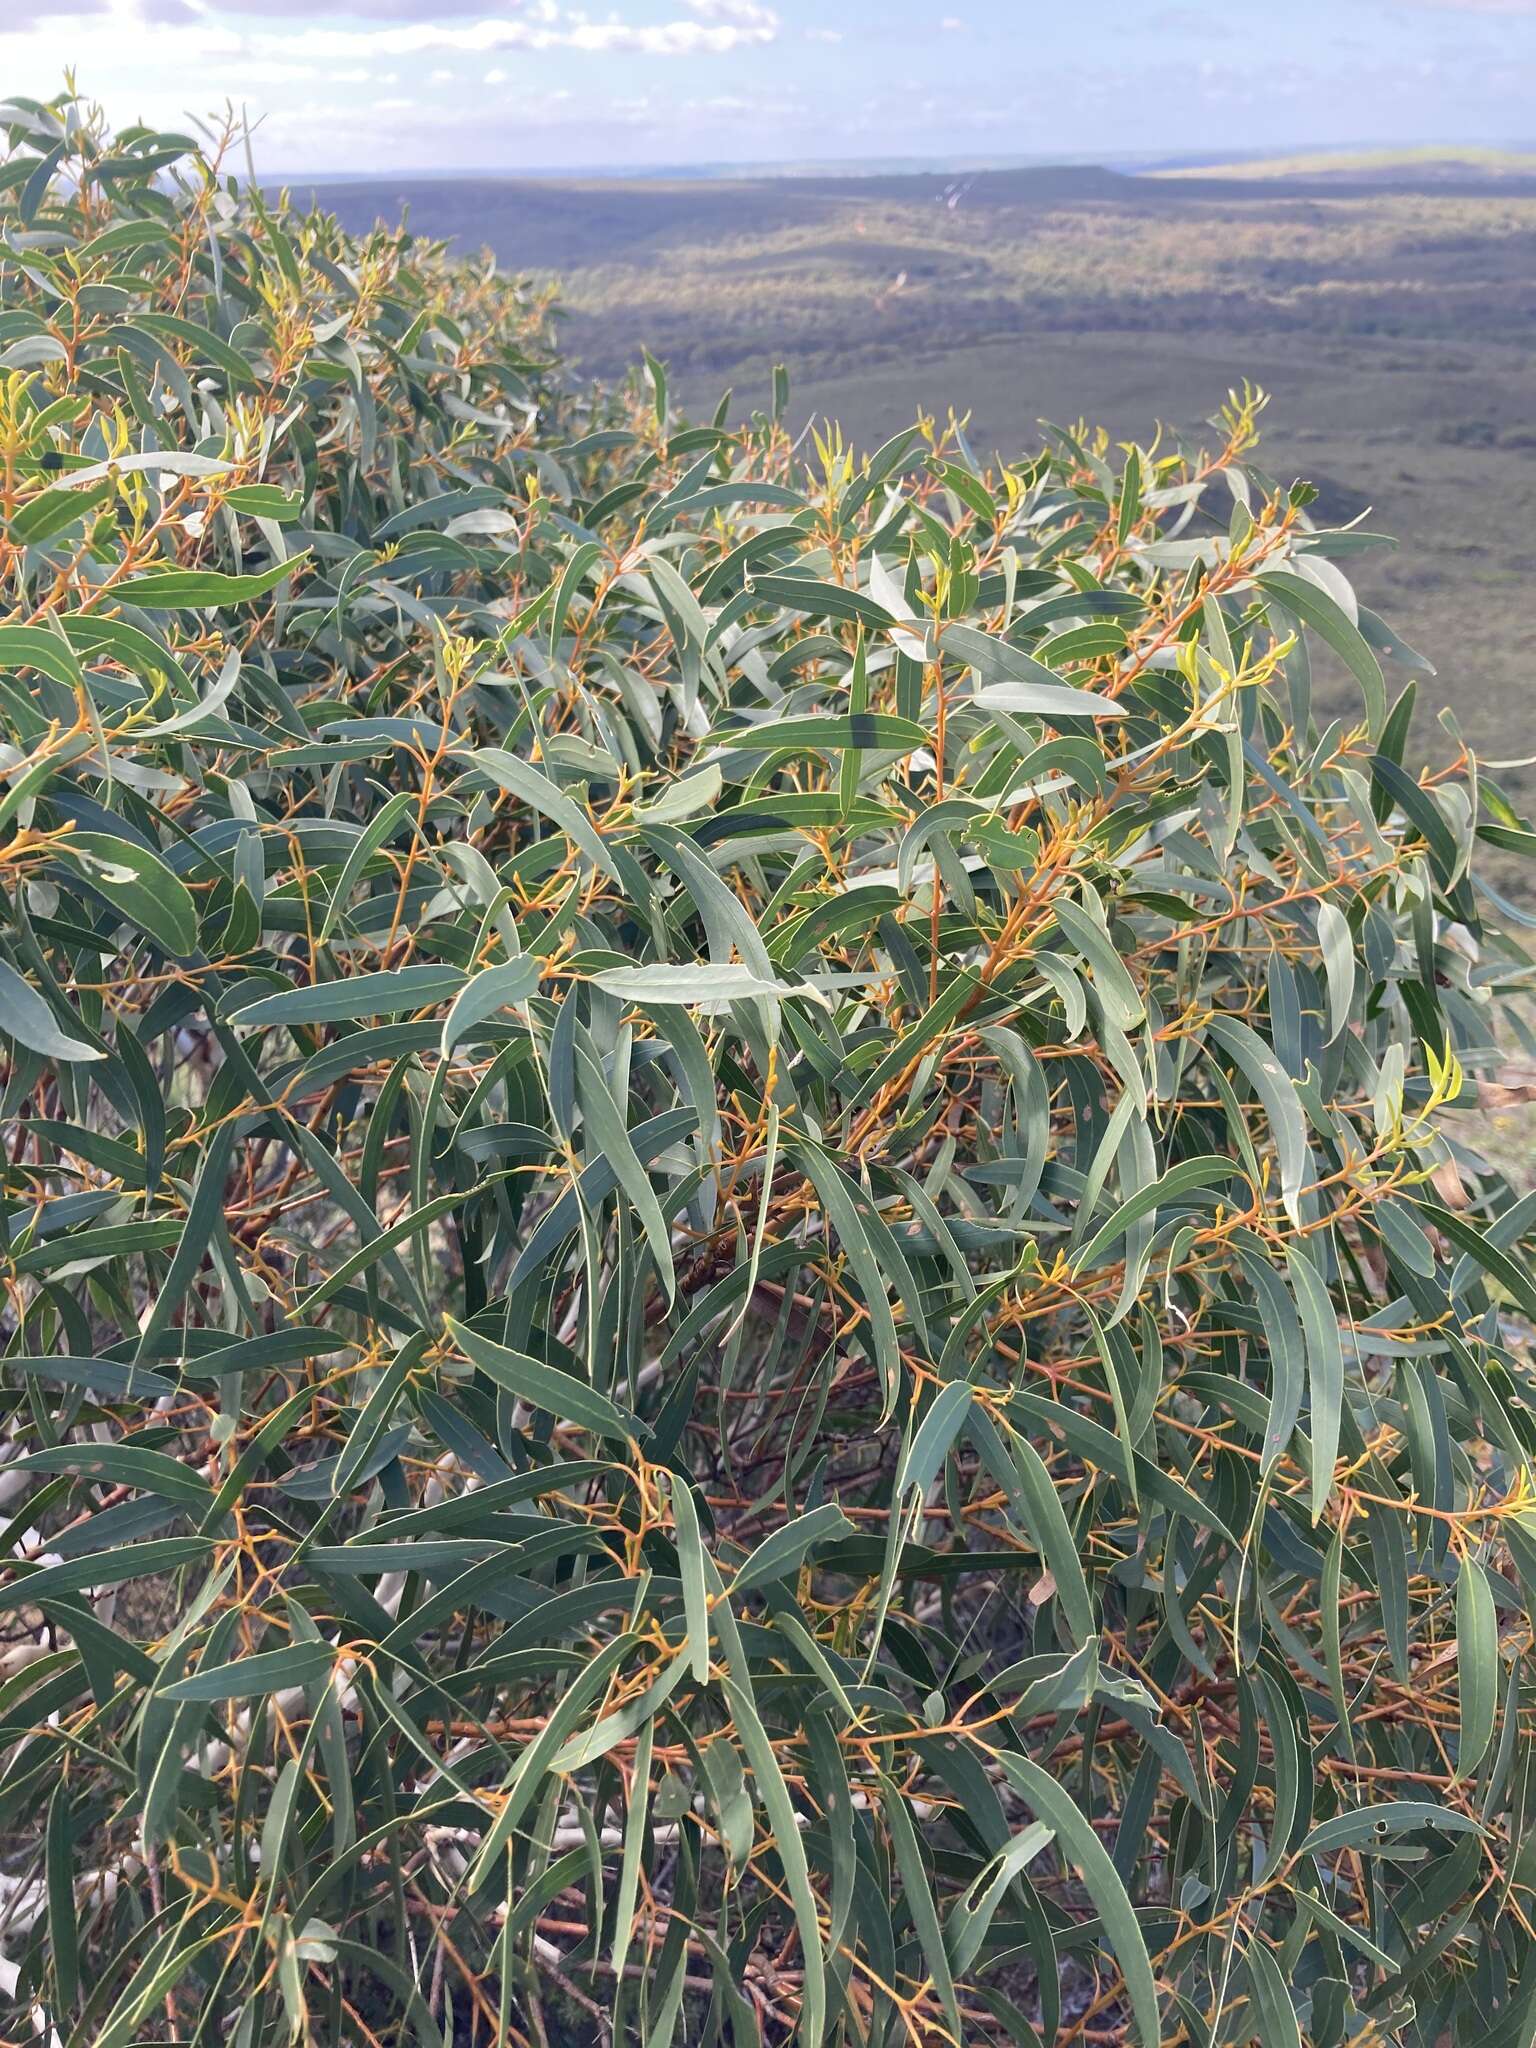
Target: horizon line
1124	162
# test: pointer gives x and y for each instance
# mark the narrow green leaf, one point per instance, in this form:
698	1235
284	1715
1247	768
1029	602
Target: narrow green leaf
25	1017
1477	1665
545	1386
248	1678
1078	1842
170	590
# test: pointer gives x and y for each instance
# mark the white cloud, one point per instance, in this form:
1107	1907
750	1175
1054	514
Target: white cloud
660	115
749	25
744	13
325	87
823	35
439	27
952	23
668	38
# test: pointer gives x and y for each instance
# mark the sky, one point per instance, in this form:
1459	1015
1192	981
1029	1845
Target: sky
359	85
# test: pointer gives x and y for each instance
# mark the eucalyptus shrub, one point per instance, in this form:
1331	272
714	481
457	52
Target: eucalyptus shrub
741	1302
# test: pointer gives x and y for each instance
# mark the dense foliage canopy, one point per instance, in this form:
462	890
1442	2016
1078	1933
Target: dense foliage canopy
741	1301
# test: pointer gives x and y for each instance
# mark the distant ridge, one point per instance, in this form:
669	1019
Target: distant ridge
1450	163
1365	161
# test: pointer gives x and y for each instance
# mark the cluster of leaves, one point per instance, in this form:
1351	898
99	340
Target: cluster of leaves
739	1298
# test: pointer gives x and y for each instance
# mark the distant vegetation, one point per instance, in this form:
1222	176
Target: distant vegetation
864	269
1392	326
1373	166
745	1299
